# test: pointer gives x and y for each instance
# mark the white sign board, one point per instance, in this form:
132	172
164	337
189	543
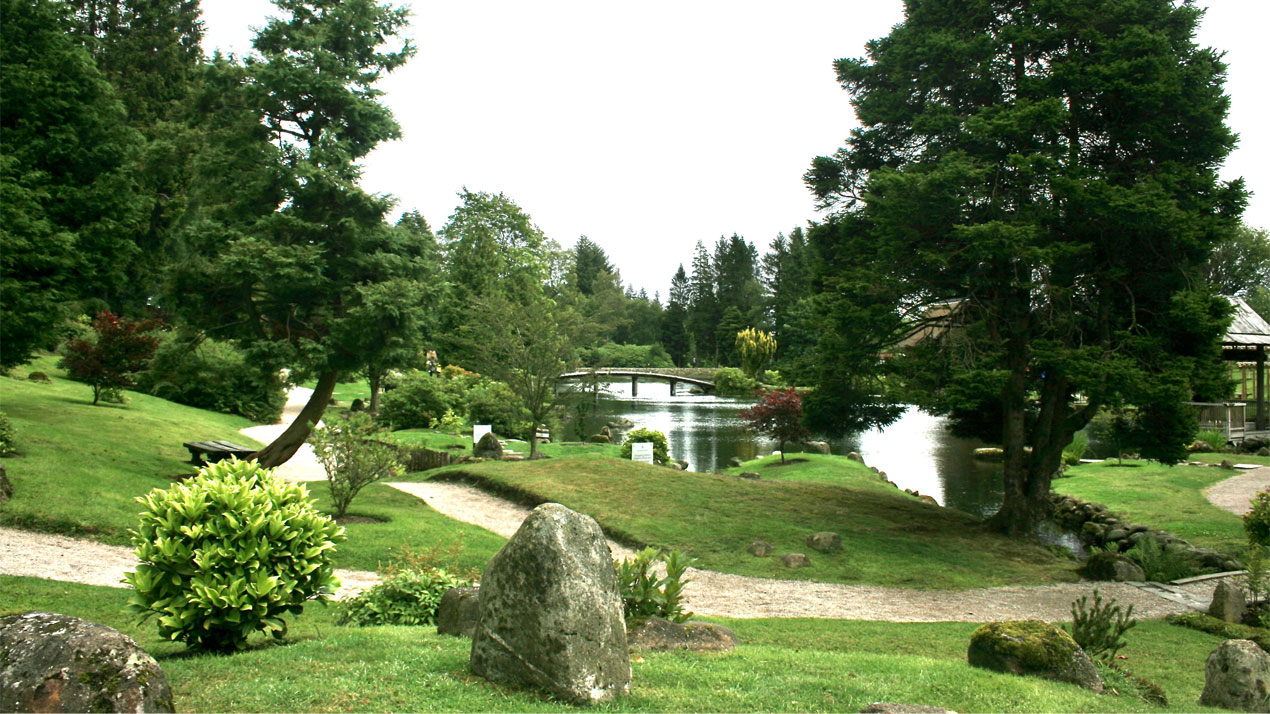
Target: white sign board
479	430
642	451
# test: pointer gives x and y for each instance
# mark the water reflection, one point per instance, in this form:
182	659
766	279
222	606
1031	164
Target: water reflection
916	452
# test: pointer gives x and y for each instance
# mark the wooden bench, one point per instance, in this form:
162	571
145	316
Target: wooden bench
209	452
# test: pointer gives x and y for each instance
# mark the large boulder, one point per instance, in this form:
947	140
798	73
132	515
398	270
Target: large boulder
1032	647
551	613
660	634
1237	676
1228	603
488	447
58	663
458	611
1114	567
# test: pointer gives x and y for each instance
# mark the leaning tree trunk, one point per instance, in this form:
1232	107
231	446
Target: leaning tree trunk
374	378
289	441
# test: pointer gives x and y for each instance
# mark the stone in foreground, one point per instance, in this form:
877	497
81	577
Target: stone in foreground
1228	602
458	611
550	611
1033	647
661	635
1237	676
58	663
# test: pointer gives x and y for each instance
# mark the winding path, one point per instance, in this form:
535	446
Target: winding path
1235	493
709	593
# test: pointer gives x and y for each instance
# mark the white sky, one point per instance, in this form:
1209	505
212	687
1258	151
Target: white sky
649	126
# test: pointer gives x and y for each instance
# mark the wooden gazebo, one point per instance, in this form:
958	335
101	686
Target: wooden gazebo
1246	341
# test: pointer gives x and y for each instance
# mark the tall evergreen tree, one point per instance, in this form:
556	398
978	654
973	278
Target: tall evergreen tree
67	195
703	307
1028	200
281	281
588	259
674	320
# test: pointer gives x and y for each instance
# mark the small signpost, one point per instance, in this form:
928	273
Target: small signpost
642	451
479	430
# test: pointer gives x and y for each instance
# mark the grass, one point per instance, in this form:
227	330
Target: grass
889	538
462	442
781	665
1217	458
1170	498
81	465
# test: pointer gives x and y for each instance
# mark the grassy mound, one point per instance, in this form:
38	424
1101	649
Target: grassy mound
888	537
82	467
1169	498
781	665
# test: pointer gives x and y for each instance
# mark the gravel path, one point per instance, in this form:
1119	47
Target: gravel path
713	593
54	557
304	465
1235	493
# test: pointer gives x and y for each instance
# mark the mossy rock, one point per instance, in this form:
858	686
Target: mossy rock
1112	567
1035	648
599	439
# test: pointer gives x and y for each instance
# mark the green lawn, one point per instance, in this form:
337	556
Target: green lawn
781	665
462	442
81	465
889	537
1170	498
1217	458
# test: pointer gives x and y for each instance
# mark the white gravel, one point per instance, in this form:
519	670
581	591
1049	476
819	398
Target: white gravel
1235	493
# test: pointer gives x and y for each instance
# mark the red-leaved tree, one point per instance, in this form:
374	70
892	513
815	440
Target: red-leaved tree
778	414
122	348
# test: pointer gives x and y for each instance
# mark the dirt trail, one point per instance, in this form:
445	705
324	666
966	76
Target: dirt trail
1235	493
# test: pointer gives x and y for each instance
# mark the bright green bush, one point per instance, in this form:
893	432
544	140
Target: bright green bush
732	382
661	451
489	401
645	595
1257	521
213	375
8	438
1075	451
414	400
1163	564
228	553
407	597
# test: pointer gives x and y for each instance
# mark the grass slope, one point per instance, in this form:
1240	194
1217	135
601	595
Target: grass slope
781	665
1170	498
83	466
889	538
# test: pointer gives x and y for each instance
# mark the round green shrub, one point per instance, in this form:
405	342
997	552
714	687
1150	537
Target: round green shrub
228	553
209	374
732	382
1257	521
489	401
661	452
408	597
413	401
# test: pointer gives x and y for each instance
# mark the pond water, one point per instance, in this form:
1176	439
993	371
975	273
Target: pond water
916	451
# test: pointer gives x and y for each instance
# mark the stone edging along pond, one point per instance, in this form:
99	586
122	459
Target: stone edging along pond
1100	526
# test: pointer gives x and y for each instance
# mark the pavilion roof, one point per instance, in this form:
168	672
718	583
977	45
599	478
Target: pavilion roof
1247	329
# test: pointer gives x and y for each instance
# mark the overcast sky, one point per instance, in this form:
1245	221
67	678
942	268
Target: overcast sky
649	126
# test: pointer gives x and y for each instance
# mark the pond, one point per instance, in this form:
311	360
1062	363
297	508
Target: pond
916	452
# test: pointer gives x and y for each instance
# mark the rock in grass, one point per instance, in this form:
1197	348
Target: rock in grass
749	474
1228	603
825	542
661	635
6	488
855	456
58	663
1237	676
760	548
458	611
488	447
550	611
795	560
1032	647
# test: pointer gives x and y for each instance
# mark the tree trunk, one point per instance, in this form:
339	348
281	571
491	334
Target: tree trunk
374	378
289	441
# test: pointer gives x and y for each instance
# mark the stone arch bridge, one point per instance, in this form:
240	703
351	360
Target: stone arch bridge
695	376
